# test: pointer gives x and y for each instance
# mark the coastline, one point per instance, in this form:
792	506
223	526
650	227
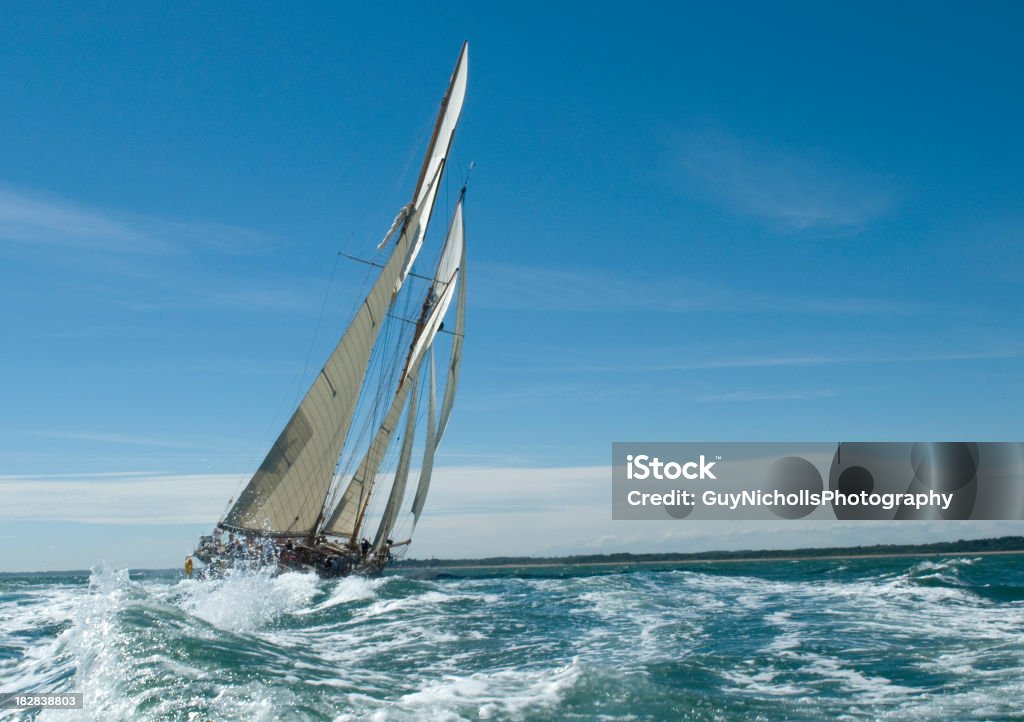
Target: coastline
694	562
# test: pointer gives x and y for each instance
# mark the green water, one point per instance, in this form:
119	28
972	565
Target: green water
853	639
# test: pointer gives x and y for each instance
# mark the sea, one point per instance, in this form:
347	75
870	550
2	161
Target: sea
860	639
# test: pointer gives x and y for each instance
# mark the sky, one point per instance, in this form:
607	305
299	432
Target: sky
701	221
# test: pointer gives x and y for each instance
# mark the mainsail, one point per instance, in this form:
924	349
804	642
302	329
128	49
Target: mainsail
286	495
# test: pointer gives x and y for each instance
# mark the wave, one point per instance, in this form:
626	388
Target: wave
502	694
869	639
245	601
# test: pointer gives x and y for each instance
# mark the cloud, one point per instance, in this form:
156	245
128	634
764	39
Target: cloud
154	498
141	262
38	220
519	287
43	220
758	362
117	498
523	287
110	438
766	396
788	191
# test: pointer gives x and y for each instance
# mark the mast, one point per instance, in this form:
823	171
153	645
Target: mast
286	495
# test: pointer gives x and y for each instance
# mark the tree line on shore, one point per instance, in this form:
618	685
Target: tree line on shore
961	546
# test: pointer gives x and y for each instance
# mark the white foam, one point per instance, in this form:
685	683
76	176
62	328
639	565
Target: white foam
428	650
419	602
98	648
496	694
346	590
246	600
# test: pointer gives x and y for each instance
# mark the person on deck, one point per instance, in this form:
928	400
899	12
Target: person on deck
288	555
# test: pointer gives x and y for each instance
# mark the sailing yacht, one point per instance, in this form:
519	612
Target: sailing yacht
308	505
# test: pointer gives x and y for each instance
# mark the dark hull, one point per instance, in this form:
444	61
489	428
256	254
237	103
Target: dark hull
324	566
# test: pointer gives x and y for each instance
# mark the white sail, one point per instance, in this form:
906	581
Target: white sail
456	359
387	521
429	447
434	435
346	517
350	508
440	146
445	278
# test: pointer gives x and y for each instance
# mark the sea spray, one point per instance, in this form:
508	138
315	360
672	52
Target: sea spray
244	600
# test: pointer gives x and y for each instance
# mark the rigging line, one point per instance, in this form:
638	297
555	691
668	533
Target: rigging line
399	178
375	264
403	339
319	321
455	153
383	365
458	163
299	386
404	518
411	322
374	513
357	427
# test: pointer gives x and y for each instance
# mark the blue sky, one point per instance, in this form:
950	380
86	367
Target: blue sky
711	221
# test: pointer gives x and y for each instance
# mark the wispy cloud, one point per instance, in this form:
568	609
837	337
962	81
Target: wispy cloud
755	396
759	362
51	221
534	288
153	259
523	287
118	498
48	221
153	498
111	438
787	190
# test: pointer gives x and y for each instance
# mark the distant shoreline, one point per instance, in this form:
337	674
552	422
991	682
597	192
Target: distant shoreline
692	562
987	546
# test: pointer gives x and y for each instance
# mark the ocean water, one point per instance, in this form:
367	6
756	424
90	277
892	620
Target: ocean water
907	638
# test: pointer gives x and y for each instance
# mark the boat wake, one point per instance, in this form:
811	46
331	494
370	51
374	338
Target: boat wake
808	640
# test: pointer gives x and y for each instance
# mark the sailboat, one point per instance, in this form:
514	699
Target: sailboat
308	505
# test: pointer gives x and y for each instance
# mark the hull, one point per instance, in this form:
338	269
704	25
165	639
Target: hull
326	561
218	569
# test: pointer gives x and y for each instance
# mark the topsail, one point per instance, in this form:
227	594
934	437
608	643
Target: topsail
440	144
